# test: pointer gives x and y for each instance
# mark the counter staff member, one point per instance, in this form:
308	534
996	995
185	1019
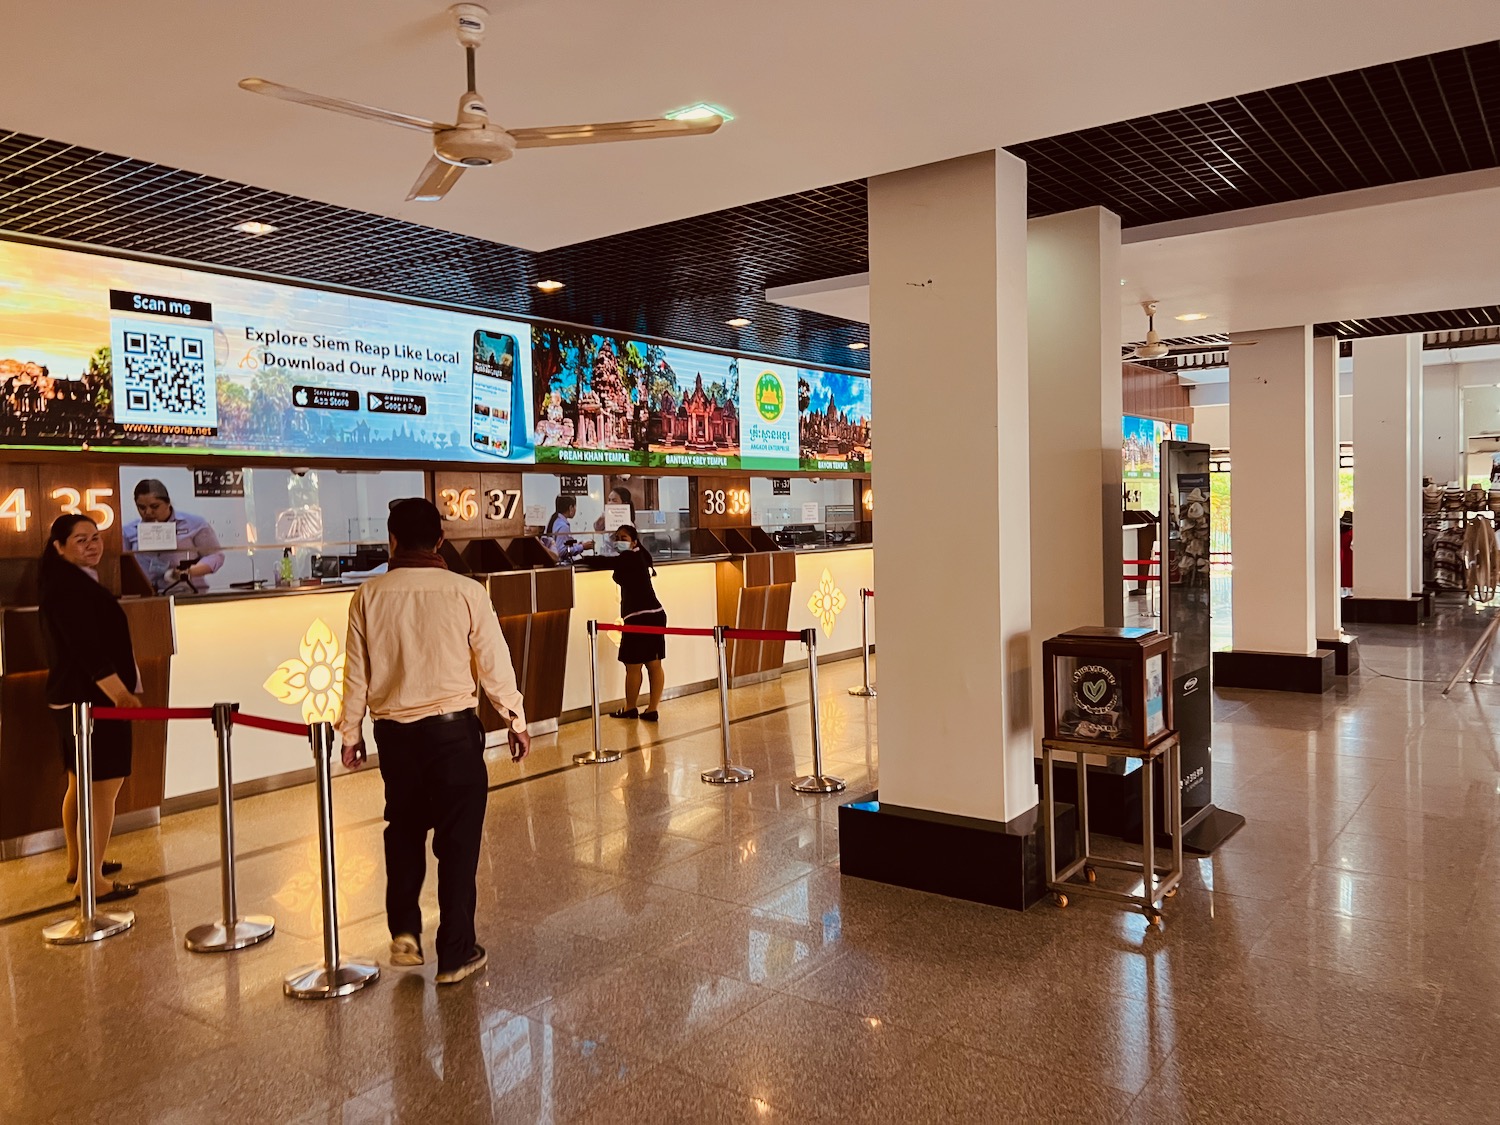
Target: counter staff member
417	637
198	552
557	536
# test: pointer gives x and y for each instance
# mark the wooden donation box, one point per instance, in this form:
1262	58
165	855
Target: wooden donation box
32	780
1109	687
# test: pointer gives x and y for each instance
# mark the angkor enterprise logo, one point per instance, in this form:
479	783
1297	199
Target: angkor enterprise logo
770	396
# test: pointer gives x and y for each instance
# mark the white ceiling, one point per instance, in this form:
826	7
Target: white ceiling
1407	248
823	90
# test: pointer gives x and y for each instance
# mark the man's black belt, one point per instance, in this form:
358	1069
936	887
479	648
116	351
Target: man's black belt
434	720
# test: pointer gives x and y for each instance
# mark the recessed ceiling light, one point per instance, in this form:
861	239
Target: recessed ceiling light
859	345
1122	281
1192	316
549	286
698	112
254	228
738	322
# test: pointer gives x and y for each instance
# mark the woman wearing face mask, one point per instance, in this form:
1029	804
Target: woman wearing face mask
639	605
89	660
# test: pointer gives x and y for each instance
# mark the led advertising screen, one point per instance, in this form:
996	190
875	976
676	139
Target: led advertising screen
603	399
140	357
150	358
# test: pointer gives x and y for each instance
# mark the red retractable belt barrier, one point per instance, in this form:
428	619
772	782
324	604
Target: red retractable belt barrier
1141	562
652	630
760	635
280	726
152	714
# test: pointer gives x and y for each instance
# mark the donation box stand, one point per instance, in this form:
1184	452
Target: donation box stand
1108	691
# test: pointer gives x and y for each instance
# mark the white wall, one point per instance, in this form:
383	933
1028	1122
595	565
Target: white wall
1211	425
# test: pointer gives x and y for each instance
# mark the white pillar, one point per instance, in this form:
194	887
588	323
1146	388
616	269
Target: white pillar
1384	367
1271	499
1073	341
948	309
1414	480
1327	618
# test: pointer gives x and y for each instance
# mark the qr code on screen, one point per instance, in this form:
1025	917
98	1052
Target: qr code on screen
164	373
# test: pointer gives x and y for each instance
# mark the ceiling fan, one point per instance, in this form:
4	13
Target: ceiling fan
474	142
1154	348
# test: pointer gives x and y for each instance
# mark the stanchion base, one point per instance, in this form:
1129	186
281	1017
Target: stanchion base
79	931
818	783
596	757
728	775
315	982
863	692
215	937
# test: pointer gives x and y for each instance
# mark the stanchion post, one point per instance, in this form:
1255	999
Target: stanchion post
231	931
817	781
91	924
335	976
726	774
597	756
866	690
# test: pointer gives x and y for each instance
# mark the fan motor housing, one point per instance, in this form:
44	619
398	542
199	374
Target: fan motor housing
474	148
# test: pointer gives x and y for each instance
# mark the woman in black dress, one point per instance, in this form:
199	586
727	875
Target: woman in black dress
639	605
89	660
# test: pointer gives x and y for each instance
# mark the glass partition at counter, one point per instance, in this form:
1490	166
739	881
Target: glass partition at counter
799	513
807	512
657	507
236	529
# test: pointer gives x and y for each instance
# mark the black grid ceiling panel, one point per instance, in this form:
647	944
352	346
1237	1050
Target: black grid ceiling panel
1428	116
679	280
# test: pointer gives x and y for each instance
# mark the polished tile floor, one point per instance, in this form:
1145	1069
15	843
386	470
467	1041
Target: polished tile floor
662	951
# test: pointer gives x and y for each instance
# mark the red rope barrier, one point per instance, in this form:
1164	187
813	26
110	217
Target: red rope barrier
760	635
653	630
280	726
1141	562
868	593
152	714
1142	578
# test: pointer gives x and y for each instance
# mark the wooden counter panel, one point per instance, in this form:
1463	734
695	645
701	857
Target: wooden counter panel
547	664
32	779
511	593
554	588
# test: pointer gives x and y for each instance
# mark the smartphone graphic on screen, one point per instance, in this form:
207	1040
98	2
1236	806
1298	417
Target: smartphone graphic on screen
495	357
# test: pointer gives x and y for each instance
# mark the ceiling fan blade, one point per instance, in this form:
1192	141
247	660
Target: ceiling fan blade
646	130
339	105
435	181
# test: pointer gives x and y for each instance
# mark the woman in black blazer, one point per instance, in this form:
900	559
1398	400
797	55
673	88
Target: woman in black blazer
89	660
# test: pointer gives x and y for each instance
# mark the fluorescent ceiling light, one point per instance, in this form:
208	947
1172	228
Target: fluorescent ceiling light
859	345
738	322
254	228
698	112
1192	316
549	286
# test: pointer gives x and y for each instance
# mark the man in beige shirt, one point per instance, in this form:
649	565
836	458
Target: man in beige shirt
418	637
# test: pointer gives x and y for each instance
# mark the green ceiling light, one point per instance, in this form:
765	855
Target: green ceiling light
698	112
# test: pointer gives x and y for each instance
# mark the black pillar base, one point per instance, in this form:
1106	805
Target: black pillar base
1385	611
1114	797
989	861
1207	830
1274	671
1345	654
